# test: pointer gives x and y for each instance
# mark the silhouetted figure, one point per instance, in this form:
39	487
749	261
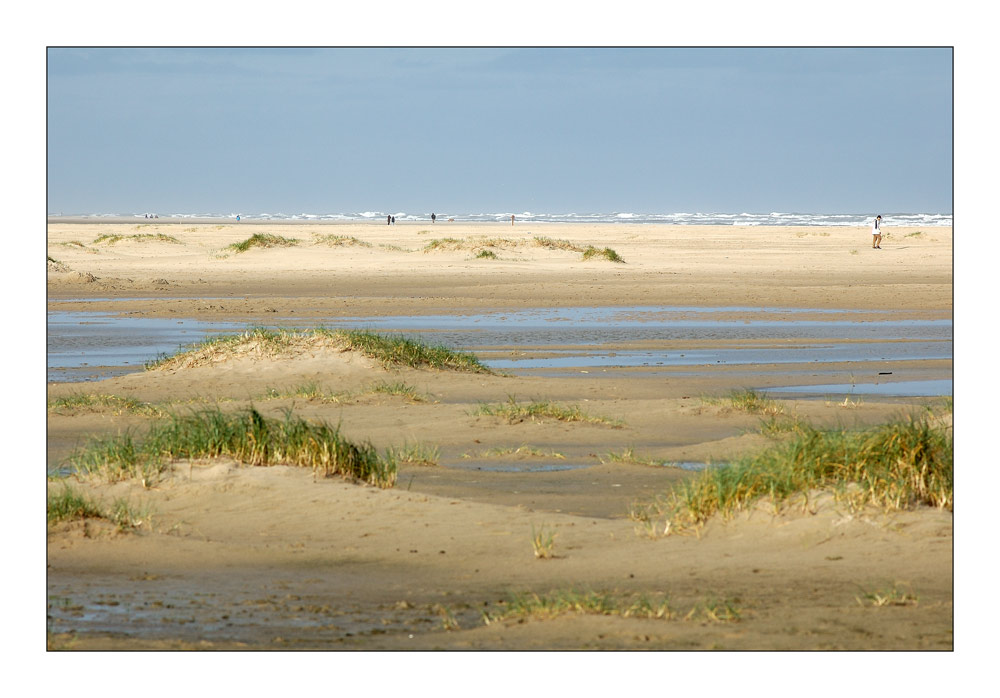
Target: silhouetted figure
512	219
433	217
388	220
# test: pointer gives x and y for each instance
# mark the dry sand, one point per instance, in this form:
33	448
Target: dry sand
272	558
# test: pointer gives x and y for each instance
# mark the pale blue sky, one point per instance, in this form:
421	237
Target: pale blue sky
489	130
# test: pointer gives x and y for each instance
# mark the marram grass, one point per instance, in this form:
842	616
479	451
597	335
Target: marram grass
137	237
70	505
607	253
96	402
900	465
247	437
514	412
263	240
390	350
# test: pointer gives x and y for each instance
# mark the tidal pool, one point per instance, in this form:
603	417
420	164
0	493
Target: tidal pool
921	388
92	345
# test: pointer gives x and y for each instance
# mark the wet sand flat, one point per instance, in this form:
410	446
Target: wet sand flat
239	557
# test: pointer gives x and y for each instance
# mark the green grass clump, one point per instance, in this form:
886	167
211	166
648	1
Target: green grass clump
514	412
340	241
895	595
519	452
398	388
443	244
753	402
309	391
90	402
247	437
390	350
70	505
560	602
630	457
394	350
607	253
549	243
415	454
747	400
111	239
256	341
895	466
263	240
486	254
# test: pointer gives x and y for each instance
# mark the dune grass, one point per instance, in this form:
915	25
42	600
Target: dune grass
70	505
486	254
900	465
747	400
518	452
542	542
247	437
514	412
339	241
606	253
395	350
560	602
549	243
97	402
397	388
390	350
263	240
112	239
415	454
630	457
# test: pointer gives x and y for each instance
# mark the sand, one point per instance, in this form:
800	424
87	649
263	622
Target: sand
238	557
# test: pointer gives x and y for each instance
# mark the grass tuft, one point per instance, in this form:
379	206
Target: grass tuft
263	240
111	239
247	437
542	542
394	350
534	606
70	505
514	412
895	466
339	241
607	253
896	595
90	402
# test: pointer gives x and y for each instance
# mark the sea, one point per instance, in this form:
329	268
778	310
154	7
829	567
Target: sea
901	220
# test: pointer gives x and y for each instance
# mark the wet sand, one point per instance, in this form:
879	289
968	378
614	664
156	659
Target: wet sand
271	558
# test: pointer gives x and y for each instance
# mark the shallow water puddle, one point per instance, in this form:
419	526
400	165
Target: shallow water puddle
93	345
922	388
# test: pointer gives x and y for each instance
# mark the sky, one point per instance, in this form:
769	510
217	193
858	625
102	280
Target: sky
485	130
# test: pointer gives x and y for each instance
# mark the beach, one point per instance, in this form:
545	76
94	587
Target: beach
491	510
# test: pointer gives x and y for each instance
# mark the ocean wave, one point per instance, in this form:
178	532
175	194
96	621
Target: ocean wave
774	218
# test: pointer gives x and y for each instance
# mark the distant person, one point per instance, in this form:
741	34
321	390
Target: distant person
512	219
388	220
877	233
394	220
433	217
237	218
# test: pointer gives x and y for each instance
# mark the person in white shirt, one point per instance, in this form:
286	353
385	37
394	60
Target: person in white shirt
877	233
